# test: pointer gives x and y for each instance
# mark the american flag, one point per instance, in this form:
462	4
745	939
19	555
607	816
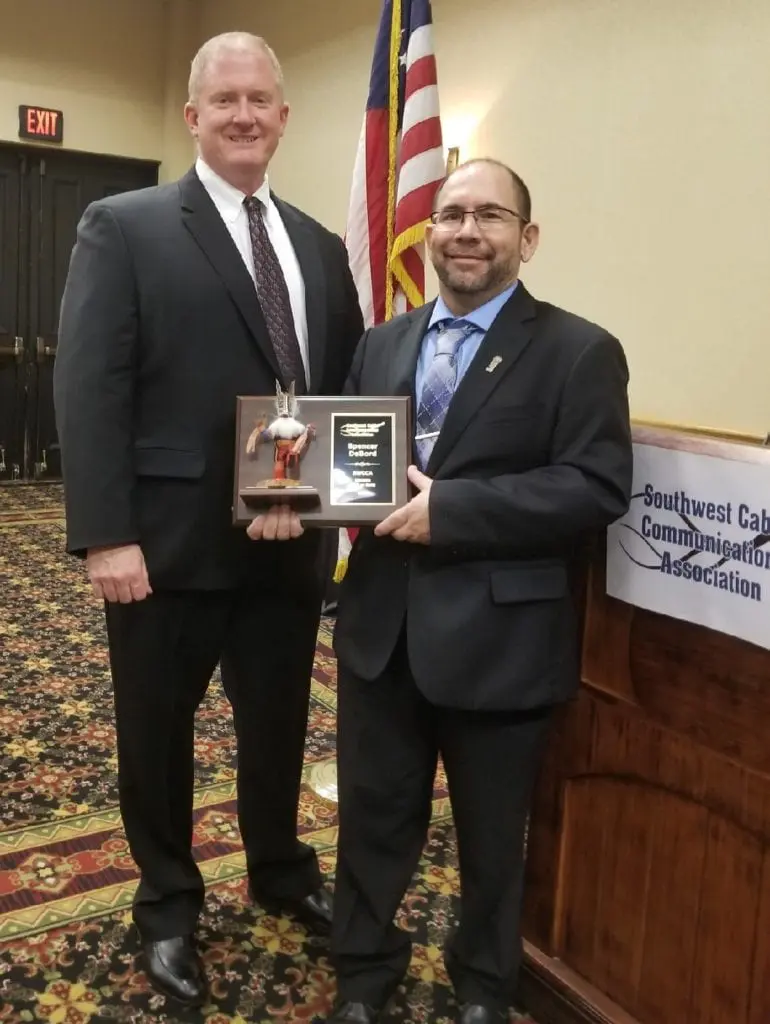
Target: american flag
399	165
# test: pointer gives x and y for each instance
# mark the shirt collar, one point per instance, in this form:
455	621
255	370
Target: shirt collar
481	318
227	198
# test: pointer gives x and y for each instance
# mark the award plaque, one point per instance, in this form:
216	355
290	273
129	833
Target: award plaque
337	461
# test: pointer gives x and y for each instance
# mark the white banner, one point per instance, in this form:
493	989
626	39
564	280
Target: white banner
695	543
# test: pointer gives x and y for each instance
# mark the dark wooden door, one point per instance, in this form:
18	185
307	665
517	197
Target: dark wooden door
12	286
43	194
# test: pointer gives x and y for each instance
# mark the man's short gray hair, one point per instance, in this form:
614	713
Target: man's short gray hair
229	42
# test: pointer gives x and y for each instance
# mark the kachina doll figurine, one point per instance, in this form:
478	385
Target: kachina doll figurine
290	438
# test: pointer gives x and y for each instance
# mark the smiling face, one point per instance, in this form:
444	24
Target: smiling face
238	116
477	257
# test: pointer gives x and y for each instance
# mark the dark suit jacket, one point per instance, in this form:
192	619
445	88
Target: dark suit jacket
533	458
160	330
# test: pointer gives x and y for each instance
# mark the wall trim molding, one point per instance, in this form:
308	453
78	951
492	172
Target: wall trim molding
555	994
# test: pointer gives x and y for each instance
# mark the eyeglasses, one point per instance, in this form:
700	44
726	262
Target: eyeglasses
487	217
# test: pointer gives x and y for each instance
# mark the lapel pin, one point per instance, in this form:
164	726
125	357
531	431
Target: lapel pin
494	364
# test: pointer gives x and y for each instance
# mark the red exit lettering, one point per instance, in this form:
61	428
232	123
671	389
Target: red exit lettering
42	122
37	122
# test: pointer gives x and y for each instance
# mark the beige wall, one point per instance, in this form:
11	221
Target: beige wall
107	64
641	131
183	37
639	127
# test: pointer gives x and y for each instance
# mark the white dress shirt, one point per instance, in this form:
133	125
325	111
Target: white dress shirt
229	202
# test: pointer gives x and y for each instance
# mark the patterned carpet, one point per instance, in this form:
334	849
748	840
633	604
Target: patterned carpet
67	948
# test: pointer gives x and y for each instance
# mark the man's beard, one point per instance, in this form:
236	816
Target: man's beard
465	283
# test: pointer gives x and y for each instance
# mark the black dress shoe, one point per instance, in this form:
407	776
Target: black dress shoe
314	911
174	968
353	1013
475	1013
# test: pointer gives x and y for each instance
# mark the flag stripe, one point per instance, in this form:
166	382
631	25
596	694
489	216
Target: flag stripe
412	209
376	211
420	43
420	106
419	186
421	75
414	266
357	236
422	138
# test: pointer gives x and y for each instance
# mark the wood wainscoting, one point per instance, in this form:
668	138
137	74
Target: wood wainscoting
648	885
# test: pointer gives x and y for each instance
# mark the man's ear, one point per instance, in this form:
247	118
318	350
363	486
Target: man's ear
530	238
285	110
191	118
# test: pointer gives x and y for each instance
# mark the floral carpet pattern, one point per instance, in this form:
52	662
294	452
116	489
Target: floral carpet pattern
68	951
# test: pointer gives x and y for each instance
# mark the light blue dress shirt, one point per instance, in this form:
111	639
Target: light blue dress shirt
481	318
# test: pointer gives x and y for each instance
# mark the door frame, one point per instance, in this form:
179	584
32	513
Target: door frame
41	148
27	235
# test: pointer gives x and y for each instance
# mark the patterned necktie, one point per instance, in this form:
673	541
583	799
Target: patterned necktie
438	388
273	295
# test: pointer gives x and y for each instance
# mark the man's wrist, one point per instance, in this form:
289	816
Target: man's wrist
98	548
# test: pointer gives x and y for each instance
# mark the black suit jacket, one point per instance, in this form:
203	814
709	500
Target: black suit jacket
534	458
160	330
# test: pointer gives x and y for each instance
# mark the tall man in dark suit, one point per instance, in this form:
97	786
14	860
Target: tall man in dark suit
456	630
178	299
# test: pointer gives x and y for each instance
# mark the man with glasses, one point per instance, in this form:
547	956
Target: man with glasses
456	631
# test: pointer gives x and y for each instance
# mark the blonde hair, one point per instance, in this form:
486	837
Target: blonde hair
229	42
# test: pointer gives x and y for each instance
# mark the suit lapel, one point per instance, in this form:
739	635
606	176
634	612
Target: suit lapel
503	343
202	220
407	351
311	264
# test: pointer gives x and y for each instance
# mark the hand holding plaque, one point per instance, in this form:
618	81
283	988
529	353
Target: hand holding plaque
345	468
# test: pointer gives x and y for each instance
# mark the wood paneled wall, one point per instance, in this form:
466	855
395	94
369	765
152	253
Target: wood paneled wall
648	892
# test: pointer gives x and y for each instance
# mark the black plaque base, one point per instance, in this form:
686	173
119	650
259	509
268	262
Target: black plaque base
280	492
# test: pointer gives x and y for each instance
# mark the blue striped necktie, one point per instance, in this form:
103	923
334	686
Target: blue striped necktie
439	387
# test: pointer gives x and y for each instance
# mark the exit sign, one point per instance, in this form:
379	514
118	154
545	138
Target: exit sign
41	124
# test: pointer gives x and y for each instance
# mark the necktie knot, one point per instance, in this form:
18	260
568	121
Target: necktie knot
450	337
255	210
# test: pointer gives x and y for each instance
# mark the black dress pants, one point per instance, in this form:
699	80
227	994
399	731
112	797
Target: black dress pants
389	739
163	651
